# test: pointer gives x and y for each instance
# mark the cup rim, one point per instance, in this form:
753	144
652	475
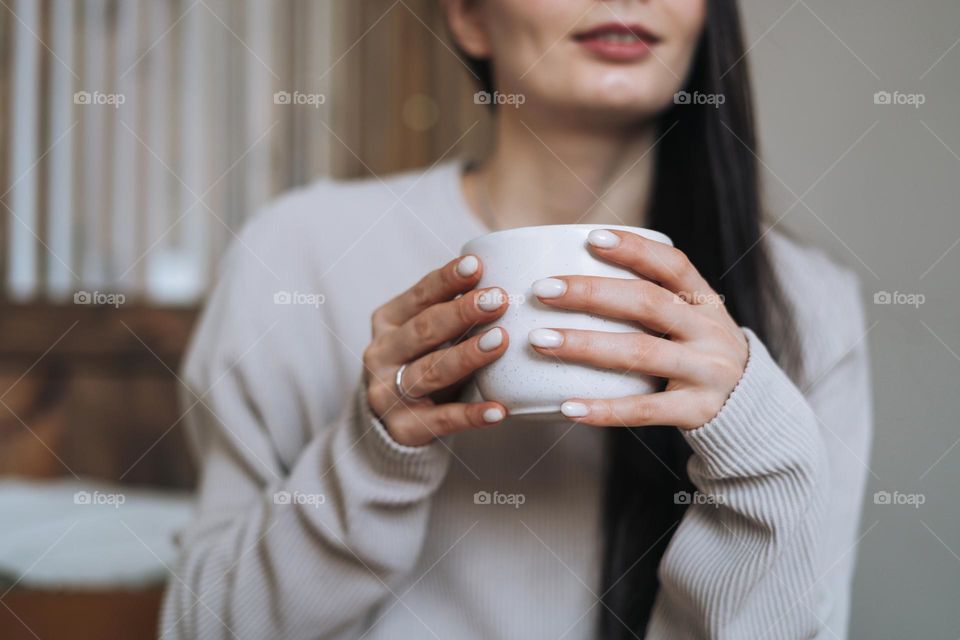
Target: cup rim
642	231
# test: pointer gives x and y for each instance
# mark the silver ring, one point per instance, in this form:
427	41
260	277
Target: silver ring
398	383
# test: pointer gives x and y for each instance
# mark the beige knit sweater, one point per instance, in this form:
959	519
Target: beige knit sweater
312	523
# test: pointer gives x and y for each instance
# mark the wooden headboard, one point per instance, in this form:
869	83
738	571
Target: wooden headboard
93	391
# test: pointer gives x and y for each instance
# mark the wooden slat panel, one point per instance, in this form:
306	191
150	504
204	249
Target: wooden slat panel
205	98
159	185
378	104
61	192
261	114
5	140
193	164
235	62
311	57
95	164
127	151
399	57
345	71
220	115
23	255
43	144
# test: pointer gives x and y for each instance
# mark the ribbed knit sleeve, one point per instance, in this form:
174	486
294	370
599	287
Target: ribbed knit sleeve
305	551
754	556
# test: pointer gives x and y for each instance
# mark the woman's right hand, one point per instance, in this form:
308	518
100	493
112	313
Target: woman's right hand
412	329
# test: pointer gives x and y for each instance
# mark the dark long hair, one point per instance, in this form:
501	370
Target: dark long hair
706	197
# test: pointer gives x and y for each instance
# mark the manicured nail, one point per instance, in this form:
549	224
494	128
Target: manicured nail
490	300
467	266
493	414
491	339
549	288
574	409
546	338
603	239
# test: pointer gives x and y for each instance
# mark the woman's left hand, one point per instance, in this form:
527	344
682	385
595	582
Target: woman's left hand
702	354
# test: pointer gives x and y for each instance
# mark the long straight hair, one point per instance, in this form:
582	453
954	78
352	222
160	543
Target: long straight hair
706	197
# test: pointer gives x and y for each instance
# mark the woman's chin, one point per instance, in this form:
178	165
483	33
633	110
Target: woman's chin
621	101
619	111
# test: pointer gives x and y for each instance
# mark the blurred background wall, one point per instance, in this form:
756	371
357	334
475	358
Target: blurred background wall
878	184
137	136
142	134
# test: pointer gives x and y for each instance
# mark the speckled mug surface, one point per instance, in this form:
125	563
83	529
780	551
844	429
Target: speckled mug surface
526	382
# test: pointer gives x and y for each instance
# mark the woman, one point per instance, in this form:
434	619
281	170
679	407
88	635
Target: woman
337	498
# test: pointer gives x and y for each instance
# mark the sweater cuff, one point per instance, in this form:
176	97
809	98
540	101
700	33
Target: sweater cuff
427	463
765	425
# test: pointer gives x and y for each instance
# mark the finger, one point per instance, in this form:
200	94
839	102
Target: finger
419	425
443	284
635	351
655	260
676	408
638	300
445	367
442	322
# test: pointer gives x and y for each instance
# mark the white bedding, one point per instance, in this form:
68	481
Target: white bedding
84	533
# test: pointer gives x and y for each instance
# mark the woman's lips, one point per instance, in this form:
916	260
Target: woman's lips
618	42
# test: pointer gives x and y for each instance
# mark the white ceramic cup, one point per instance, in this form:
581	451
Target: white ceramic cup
526	382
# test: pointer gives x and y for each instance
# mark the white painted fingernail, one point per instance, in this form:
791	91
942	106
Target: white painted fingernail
603	239
547	338
549	288
467	266
493	414
490	300
574	409
490	340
